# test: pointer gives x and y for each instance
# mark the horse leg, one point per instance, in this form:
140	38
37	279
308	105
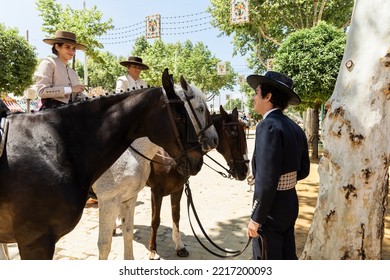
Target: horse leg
108	211
127	214
156	210
181	250
41	248
4	254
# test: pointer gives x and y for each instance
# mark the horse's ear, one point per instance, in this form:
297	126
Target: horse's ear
183	83
167	82
235	112
222	112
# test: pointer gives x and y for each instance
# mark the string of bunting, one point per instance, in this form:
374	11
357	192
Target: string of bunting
155	24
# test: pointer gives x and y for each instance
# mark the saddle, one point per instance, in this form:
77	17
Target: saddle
4	111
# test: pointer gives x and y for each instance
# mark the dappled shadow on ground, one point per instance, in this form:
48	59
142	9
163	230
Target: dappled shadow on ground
229	235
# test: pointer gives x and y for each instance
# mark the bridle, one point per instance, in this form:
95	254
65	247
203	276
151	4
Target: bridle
192	135
241	150
199	130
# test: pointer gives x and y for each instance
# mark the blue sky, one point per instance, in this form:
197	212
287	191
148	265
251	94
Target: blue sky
22	14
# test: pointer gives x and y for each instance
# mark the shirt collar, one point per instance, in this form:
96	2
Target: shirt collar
266	114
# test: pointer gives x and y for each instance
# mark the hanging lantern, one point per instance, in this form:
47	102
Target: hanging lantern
241	79
221	68
239	11
270	64
153	26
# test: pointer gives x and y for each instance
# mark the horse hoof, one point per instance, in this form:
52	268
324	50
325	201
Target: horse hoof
153	256
182	252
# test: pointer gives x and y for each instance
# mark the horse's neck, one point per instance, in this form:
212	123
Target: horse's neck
103	130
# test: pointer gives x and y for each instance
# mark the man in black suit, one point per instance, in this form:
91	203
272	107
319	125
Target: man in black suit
280	158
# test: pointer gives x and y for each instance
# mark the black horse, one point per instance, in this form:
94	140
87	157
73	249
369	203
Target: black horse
52	158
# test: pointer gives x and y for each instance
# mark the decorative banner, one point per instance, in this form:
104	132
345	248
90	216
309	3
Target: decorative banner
153	26
270	64
239	11
221	68
241	79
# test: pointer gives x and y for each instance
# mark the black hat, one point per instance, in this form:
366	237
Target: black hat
136	61
280	81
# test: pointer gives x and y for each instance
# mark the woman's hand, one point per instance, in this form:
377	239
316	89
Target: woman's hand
78	88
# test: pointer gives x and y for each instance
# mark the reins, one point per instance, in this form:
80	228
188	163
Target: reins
190	204
174	127
230	253
241	146
149	159
230	176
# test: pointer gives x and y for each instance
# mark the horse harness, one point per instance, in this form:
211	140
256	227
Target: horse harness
241	147
192	136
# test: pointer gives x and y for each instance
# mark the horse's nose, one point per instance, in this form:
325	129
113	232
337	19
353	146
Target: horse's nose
209	144
216	141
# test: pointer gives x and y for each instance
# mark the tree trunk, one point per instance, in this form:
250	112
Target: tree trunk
315	131
308	124
348	221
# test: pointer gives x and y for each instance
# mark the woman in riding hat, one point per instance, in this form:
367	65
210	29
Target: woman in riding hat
132	80
57	84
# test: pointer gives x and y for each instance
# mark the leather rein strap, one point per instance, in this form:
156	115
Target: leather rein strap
149	159
230	253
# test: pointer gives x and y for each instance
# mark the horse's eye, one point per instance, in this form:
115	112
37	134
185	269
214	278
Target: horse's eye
201	109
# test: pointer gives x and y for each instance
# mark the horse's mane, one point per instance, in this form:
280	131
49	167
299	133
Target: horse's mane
90	100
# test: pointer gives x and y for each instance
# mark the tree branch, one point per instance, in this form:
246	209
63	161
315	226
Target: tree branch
315	4
323	3
262	33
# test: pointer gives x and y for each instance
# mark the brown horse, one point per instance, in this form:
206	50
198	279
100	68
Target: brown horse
166	180
52	158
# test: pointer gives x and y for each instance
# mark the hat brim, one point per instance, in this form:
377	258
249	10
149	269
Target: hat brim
255	80
127	63
77	45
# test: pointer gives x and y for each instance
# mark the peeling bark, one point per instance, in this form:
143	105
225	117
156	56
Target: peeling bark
348	222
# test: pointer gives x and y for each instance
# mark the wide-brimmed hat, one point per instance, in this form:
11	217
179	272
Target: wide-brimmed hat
65	37
136	61
280	81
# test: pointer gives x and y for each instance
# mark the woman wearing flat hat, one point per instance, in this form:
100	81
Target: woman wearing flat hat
58	84
132	80
280	158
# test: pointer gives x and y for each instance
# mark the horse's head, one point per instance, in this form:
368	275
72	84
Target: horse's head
195	102
233	143
181	144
